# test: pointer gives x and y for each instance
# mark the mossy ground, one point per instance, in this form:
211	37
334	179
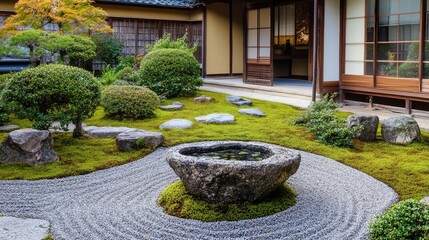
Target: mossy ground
404	168
176	201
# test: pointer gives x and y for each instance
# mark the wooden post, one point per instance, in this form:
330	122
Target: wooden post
315	31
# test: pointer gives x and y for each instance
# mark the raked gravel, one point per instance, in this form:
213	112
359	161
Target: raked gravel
334	202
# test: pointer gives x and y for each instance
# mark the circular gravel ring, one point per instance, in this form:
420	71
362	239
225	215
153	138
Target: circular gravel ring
334	202
225	181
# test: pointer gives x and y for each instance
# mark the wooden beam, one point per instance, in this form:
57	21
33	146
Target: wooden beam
204	58
315	42
230	38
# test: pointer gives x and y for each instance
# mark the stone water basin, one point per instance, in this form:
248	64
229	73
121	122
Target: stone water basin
232	171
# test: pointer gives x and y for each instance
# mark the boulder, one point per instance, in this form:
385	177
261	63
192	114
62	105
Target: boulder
369	125
128	141
176	124
400	130
229	181
23	228
106	132
203	99
252	111
29	146
9	128
219	118
173	107
239	101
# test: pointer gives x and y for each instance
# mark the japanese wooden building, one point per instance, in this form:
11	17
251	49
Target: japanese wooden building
369	50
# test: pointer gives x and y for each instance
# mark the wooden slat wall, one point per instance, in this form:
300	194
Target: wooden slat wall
259	73
357	81
399	84
425	85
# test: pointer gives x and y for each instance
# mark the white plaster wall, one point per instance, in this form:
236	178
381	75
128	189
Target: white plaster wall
331	56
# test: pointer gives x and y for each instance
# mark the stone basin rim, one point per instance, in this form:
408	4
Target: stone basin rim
274	150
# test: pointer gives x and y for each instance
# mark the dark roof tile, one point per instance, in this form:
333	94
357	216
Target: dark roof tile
161	3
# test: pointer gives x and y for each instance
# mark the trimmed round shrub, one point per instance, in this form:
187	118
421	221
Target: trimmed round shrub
408	219
4	109
54	92
171	73
136	102
129	75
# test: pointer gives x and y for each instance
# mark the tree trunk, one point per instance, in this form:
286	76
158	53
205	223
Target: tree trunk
78	131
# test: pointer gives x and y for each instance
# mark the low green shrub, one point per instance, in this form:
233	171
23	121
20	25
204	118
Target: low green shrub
135	102
171	73
4	108
320	118
408	219
51	93
176	201
167	43
129	75
108	48
126	62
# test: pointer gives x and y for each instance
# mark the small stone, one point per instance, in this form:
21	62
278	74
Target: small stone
23	228
425	200
252	111
239	101
139	139
173	107
176	124
203	99
369	124
219	118
56	127
400	130
29	146
9	128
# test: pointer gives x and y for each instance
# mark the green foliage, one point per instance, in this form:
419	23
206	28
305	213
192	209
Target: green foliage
33	40
408	219
166	43
171	73
135	102
108	48
51	93
108	75
178	202
128	74
4	108
126	62
320	118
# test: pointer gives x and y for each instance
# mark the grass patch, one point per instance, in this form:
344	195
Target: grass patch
404	168
176	201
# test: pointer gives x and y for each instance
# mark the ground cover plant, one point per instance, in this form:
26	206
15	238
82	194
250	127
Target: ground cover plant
177	202
408	219
404	168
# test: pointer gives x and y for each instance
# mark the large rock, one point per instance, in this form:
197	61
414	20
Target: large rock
176	124
128	141
23	228
9	128
173	107
227	181
29	146
252	111
400	130
369	125
236	100
219	118
106	132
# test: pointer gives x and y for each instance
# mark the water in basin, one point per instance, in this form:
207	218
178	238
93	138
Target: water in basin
242	154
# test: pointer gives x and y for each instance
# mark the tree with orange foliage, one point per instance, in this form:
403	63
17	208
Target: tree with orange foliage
71	16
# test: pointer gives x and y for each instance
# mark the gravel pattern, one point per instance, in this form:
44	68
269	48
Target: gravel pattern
334	202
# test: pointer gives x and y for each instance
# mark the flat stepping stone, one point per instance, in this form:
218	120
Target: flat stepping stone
176	124
219	118
173	107
128	141
23	228
252	111
9	128
239	101
425	200
203	99
106	132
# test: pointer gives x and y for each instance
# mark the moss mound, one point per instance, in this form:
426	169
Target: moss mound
176	201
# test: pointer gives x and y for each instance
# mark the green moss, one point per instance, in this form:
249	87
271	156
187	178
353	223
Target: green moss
178	202
404	168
